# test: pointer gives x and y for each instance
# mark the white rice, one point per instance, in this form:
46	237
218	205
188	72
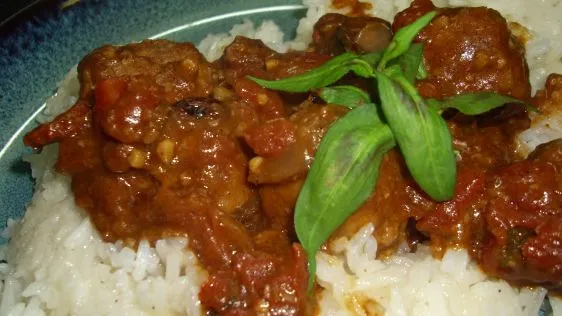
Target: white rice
58	265
356	283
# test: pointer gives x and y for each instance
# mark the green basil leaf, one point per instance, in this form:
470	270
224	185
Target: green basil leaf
421	134
436	104
362	68
372	58
403	38
410	62
422	71
322	76
341	178
476	103
348	96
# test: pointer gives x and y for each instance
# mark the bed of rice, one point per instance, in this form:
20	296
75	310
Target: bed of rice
56	263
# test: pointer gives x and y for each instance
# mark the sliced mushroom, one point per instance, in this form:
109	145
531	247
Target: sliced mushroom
365	34
335	33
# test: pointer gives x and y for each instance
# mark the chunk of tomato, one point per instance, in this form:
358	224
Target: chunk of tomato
108	91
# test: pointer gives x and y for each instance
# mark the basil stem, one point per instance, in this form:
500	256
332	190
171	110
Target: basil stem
421	134
476	103
422	72
403	38
348	96
341	178
411	62
322	76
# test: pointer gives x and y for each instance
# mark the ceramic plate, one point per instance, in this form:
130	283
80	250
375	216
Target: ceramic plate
36	54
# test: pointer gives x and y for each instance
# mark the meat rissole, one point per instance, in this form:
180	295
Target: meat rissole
163	143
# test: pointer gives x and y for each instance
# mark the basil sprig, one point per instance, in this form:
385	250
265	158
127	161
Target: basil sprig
342	177
348	96
346	164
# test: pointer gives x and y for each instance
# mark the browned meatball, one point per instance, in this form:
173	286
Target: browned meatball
468	50
520	236
178	70
247	52
509	218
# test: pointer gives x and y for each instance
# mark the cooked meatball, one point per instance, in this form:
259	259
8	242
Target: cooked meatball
468	50
521	226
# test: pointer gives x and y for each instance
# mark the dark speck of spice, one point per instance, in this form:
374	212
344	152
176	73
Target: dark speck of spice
197	107
314	98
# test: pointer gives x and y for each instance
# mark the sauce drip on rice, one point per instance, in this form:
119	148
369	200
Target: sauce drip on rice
163	143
